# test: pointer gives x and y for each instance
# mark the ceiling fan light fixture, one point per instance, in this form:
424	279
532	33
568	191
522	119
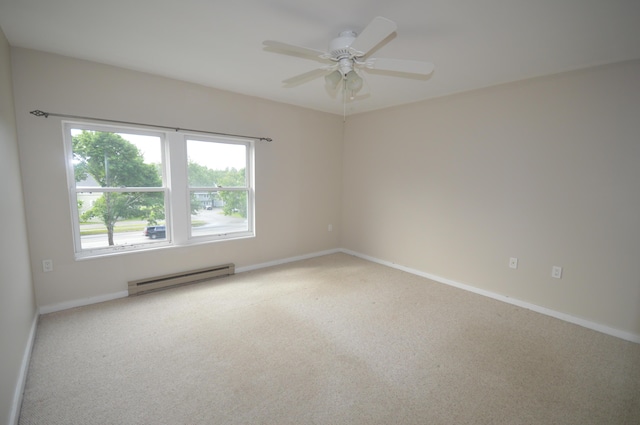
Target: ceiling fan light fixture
353	81
333	79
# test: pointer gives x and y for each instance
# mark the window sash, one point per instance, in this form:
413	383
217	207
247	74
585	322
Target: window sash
89	245
217	225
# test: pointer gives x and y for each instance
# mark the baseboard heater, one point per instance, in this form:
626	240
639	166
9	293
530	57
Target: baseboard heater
176	279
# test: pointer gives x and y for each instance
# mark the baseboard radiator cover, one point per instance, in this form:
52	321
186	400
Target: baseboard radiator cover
140	286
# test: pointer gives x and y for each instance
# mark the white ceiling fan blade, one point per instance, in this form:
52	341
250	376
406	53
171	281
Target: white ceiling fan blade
373	34
400	65
303	78
297	50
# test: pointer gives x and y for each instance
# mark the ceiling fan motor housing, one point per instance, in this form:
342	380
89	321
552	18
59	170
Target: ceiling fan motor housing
339	47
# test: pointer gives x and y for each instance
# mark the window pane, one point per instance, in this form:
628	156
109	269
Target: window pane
214	164
219	213
110	219
105	159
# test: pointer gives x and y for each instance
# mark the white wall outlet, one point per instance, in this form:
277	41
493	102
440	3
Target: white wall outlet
330	228
513	263
556	272
47	266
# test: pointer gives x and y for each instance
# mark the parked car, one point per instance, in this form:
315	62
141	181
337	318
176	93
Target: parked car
156	232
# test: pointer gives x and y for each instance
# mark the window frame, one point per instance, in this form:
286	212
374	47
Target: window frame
174	182
249	187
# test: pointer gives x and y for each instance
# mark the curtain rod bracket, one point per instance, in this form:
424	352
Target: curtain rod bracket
39	113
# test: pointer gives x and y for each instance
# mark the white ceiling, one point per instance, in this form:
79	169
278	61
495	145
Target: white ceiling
473	43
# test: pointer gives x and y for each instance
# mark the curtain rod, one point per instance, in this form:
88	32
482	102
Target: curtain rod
39	113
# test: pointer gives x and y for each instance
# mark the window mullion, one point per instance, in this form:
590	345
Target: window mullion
177	176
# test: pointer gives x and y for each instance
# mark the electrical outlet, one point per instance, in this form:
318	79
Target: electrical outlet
513	263
556	272
47	266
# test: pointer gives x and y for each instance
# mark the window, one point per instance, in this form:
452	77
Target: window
127	193
219	187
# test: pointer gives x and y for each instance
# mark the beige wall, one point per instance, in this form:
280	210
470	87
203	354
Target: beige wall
546	170
17	305
298	175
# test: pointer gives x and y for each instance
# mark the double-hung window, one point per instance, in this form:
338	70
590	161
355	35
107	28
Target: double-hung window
128	194
220	187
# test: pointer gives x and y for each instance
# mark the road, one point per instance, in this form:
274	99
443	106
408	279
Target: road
214	223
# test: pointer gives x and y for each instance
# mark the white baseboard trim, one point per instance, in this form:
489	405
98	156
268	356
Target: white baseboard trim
22	377
287	260
51	308
628	336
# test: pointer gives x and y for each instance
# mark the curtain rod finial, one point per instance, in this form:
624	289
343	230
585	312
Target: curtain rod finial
39	113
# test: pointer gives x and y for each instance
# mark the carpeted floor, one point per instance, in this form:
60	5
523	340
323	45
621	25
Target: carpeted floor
330	340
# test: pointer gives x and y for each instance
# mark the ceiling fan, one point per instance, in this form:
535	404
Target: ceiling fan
347	54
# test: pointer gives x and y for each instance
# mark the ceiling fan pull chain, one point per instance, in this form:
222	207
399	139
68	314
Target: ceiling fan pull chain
344	103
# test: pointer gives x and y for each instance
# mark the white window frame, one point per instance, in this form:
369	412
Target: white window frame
175	187
249	187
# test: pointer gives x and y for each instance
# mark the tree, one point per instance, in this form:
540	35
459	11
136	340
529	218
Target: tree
200	176
234	202
113	162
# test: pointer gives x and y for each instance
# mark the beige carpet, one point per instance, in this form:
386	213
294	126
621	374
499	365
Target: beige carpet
330	340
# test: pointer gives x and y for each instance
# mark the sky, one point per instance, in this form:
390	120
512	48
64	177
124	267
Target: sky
214	156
